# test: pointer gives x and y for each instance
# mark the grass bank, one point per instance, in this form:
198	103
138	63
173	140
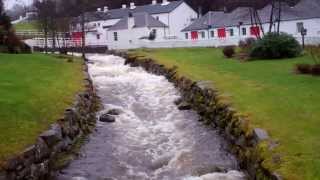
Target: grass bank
26	26
269	93
35	90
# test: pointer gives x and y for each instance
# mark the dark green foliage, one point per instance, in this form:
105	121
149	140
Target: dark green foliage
276	46
152	35
229	51
9	42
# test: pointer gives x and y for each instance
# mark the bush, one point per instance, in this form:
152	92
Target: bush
276	46
229	51
303	68
247	43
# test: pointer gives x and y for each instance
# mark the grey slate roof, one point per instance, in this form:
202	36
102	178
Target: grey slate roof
120	13
305	9
140	20
122	24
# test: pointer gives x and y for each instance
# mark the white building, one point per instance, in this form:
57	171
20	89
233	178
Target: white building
220	28
129	27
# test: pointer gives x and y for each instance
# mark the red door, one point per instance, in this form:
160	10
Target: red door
255	31
222	33
77	38
194	35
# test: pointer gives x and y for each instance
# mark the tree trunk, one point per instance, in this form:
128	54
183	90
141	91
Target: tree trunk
83	38
46	40
279	16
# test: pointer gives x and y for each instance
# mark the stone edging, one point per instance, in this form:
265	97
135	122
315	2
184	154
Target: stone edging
36	162
252	146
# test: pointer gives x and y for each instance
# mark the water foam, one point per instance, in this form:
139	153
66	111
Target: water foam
151	139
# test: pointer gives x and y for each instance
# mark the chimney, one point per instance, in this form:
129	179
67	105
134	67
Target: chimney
105	9
130	21
132	6
154	2
165	2
124	6
98	9
225	9
199	11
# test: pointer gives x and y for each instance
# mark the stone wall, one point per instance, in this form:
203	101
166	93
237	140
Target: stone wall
36	162
252	146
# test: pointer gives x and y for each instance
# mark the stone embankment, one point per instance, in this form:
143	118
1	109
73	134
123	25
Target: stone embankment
37	161
252	146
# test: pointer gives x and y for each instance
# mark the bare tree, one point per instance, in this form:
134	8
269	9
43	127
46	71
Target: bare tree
83	7
43	19
271	15
52	21
1	7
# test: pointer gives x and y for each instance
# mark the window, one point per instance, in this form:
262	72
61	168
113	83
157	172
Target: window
98	24
203	34
244	31
98	36
299	27
212	33
231	32
157	18
186	35
115	36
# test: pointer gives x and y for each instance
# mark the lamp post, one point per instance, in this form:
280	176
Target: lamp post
304	32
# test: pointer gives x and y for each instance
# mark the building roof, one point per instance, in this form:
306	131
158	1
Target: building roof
122	24
120	13
140	20
305	9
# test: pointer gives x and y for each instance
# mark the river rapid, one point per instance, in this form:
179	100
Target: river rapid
151	139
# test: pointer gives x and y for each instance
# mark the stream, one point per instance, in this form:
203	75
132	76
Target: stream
151	139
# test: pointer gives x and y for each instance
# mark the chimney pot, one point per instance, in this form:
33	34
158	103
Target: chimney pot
132	6
124	6
165	2
98	9
105	8
154	2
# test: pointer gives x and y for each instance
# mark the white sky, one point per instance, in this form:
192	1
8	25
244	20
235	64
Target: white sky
10	3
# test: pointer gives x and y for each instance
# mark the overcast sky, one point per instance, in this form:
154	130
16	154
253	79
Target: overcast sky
10	3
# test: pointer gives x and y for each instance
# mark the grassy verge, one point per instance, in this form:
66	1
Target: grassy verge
26	26
35	90
269	93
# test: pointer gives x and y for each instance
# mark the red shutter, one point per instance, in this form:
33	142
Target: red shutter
255	31
222	32
194	35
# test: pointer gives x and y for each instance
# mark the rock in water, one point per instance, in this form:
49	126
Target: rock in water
107	118
184	106
114	112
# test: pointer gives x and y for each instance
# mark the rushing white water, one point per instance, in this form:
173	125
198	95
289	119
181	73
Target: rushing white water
151	139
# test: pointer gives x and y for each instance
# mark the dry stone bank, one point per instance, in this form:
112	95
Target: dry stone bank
36	162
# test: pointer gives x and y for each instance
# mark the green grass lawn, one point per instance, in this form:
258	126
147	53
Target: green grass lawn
35	89
273	97
26	26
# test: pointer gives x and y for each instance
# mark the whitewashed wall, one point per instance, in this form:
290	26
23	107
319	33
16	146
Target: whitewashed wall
129	39
91	37
180	18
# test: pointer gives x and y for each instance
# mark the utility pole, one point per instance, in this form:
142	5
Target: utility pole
303	34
